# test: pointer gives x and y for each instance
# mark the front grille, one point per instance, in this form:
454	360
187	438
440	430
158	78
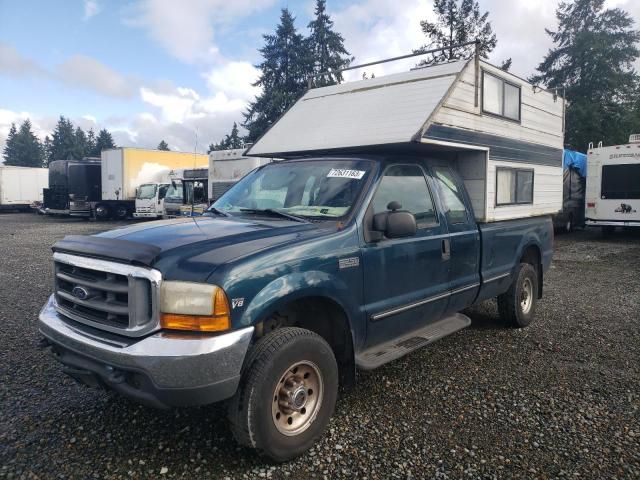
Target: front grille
119	299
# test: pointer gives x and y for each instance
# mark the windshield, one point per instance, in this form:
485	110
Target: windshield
147	191
309	188
174	193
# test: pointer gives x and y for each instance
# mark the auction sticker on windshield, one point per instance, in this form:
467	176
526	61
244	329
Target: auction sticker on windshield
344	173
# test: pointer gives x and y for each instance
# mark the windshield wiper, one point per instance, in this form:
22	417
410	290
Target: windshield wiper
217	211
274	213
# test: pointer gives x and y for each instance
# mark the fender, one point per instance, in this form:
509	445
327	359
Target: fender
297	285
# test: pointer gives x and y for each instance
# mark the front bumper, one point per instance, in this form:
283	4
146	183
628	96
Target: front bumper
146	215
161	370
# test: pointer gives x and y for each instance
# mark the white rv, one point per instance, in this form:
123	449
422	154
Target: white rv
613	185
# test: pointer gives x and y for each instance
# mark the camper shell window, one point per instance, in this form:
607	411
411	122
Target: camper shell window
514	186
500	97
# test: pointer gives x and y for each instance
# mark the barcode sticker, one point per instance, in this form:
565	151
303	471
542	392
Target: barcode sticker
344	173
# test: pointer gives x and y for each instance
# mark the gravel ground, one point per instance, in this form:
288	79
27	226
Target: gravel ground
558	399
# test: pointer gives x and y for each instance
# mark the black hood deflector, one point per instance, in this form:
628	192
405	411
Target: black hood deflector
127	251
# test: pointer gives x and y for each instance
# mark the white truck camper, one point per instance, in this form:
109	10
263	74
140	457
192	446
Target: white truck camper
21	187
503	135
613	186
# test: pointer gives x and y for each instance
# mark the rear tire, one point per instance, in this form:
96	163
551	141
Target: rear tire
517	306
102	212
286	395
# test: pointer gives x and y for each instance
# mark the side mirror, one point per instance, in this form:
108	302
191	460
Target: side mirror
394	223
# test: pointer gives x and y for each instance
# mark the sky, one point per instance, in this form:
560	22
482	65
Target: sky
182	71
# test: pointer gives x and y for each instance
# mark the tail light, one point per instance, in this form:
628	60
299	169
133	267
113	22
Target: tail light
591	204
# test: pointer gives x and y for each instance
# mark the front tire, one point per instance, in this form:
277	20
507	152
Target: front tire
517	306
287	393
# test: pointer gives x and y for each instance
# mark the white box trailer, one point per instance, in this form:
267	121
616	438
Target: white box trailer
21	187
503	135
613	185
226	167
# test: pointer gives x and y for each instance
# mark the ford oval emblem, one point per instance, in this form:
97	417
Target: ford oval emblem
80	293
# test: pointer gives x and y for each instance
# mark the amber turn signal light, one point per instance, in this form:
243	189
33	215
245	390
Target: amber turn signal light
187	309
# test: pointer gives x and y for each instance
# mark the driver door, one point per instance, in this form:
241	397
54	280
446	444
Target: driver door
405	279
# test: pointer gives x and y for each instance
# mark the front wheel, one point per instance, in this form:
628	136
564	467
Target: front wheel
121	212
287	393
517	306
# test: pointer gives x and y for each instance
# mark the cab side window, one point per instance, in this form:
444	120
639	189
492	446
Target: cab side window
451	195
406	184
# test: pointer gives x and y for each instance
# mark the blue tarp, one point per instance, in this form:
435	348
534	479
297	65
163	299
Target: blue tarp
575	159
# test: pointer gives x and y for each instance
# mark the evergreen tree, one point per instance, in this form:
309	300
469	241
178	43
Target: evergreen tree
592	61
232	140
81	149
326	47
103	142
286	65
91	142
23	149
163	146
457	21
47	147
10	152
63	142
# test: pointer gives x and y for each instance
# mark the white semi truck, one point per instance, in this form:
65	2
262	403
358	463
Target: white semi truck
21	187
613	186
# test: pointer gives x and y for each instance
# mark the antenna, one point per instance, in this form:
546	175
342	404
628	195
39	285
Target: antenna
195	149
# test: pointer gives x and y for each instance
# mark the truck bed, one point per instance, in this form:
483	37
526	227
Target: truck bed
502	246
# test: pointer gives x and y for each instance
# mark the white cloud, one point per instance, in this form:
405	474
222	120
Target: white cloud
186	31
13	64
88	73
377	29
234	79
91	9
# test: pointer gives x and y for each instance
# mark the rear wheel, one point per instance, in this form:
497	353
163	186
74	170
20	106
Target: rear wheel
287	393
102	211
517	305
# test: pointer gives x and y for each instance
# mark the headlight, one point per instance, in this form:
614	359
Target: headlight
193	306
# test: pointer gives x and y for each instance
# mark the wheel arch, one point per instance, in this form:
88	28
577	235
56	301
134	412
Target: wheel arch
532	255
315	301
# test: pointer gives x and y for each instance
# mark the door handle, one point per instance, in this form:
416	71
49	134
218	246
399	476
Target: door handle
446	249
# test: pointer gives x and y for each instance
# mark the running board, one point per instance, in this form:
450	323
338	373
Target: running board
378	355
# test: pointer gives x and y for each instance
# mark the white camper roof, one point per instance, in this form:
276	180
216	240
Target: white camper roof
379	111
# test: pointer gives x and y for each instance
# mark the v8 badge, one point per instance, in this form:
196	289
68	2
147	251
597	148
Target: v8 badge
237	302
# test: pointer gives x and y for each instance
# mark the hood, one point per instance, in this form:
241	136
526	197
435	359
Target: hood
188	249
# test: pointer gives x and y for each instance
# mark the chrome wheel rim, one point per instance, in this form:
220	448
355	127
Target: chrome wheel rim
526	296
297	398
